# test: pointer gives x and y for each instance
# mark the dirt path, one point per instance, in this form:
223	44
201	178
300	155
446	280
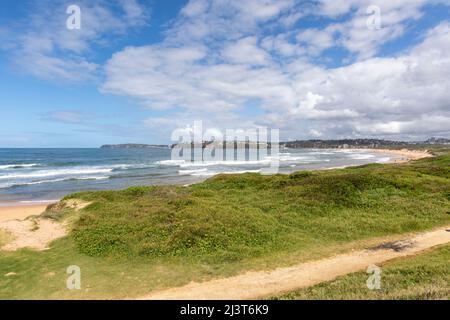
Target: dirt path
253	285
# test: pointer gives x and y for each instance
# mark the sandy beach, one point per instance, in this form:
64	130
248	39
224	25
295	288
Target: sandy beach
407	154
23	230
20	212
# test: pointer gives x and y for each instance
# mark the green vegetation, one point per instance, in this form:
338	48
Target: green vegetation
426	276
132	241
229	218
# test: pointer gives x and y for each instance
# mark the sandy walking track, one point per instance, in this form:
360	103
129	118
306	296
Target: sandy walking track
254	285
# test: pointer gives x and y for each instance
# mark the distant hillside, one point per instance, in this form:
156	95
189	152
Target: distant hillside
344	143
316	144
358	143
133	146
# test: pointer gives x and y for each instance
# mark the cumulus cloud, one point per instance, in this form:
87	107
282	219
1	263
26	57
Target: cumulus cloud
241	64
372	96
405	95
150	74
245	51
318	40
212	20
47	49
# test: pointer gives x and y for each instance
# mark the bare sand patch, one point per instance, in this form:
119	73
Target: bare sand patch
34	233
74	204
20	212
25	227
260	284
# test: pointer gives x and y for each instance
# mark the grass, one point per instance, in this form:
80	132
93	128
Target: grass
131	241
425	276
228	218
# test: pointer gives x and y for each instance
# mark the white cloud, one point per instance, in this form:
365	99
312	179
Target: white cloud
203	20
376	96
282	46
318	40
315	133
245	51
220	59
135	14
47	49
356	37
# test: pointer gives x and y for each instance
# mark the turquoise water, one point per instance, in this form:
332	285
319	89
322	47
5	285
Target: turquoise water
35	175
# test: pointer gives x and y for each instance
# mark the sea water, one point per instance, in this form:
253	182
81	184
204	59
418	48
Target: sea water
41	175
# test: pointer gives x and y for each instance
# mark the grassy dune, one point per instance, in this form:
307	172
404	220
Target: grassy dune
132	241
228	218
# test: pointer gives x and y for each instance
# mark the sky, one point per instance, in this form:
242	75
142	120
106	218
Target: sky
136	70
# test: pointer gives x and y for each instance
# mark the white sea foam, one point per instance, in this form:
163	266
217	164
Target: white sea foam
170	162
57	172
91	178
203	174
226	163
360	156
345	151
268	160
132	166
322	152
17	166
213	173
190	172
31	183
298	158
38	182
188	164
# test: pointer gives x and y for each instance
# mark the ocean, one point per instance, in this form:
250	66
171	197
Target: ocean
45	175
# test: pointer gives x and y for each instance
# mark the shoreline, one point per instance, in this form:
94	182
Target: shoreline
26	203
23	209
408	154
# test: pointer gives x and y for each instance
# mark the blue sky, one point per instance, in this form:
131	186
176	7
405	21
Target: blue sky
138	69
